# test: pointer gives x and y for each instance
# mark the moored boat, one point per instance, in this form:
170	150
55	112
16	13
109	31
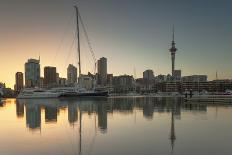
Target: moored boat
37	93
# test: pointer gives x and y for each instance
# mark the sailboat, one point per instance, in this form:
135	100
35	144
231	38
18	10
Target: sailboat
78	90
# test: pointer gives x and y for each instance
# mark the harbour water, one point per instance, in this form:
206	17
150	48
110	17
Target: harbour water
114	126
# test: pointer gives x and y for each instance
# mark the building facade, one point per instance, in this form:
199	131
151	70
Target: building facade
18	81
50	76
148	75
102	71
123	83
32	73
194	78
110	79
71	74
86	82
177	75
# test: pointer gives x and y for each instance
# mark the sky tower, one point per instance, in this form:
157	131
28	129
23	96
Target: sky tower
173	50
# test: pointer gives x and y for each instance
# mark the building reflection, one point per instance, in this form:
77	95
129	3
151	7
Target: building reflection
19	109
100	108
102	117
72	113
51	114
1	104
33	116
148	108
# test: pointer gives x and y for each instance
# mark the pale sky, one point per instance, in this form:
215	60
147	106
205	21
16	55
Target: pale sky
130	33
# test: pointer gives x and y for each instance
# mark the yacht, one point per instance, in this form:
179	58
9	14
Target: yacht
37	93
79	92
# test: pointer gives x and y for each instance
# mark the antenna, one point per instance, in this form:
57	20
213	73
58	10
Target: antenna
39	57
216	75
173	33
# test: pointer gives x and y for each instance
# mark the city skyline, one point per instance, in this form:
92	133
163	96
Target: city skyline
140	31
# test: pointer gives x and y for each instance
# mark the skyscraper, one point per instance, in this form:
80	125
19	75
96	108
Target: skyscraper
177	75
71	74
173	50
32	73
49	76
18	81
148	75
102	71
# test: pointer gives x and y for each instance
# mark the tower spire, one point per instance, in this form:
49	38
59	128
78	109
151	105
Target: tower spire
173	50
173	33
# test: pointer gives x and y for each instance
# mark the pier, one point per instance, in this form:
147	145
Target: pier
227	99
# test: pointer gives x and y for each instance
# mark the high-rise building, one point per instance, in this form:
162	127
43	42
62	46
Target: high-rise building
62	82
123	83
32	73
102	71
110	79
173	50
148	75
177	75
57	78
71	74
41	82
18	81
49	76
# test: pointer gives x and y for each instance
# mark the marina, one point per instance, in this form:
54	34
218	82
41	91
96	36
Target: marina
114	77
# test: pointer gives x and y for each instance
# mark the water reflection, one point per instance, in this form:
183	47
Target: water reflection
33	116
101	107
19	109
102	114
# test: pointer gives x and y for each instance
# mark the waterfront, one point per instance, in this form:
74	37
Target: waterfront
112	126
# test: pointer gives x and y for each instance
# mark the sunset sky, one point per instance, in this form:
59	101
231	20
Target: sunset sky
132	34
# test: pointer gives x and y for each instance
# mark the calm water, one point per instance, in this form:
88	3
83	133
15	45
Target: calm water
114	126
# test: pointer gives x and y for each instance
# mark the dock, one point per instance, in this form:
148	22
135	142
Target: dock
211	99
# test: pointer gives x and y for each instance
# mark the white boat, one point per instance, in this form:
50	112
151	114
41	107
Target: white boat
37	93
78	91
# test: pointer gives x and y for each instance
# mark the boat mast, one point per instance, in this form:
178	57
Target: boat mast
78	40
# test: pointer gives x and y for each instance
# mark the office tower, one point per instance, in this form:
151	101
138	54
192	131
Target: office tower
18	81
57	78
110	79
177	75
32	73
49	76
102	71
71	74
148	75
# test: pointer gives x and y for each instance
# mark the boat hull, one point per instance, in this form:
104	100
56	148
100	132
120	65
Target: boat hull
86	94
38	96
